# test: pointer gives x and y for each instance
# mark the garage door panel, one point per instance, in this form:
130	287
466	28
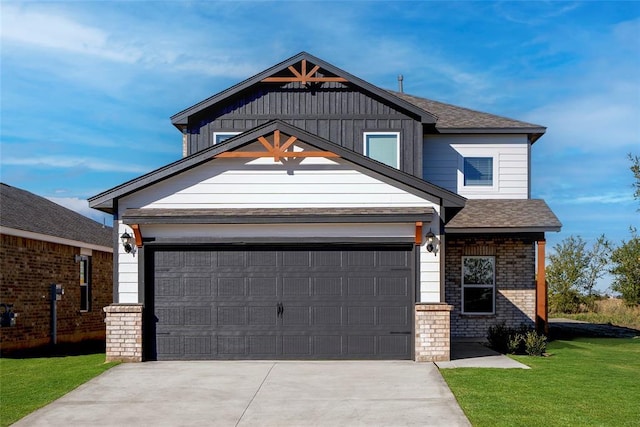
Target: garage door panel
263	286
197	316
296	259
231	286
263	345
296	345
327	316
273	304
332	259
296	286
263	316
392	286
327	286
197	347
232	316
197	286
393	344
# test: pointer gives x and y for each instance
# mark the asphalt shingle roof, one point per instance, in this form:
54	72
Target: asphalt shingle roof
22	210
454	117
495	214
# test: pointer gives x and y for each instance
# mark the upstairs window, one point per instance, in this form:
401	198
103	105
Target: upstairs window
383	147
478	171
85	283
219	137
478	284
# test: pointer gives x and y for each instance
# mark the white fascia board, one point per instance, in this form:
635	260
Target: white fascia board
53	239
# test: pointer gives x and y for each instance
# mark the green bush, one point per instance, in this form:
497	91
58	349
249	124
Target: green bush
498	337
521	340
535	344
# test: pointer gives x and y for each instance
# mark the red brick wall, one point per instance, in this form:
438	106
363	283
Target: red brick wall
27	269
515	283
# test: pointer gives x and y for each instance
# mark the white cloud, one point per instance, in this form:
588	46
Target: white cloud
73	162
82	207
604	198
59	32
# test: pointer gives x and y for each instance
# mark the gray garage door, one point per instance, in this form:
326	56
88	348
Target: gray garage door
283	303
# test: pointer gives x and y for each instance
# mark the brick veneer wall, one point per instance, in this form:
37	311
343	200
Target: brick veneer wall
27	269
515	282
433	333
124	332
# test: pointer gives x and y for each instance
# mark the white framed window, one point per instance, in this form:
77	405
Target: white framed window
478	284
219	137
383	147
85	283
478	171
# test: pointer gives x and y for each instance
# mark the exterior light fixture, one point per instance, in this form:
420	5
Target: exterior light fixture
431	245
127	242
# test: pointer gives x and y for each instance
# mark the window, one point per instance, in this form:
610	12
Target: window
85	283
383	147
219	137
478	171
478	284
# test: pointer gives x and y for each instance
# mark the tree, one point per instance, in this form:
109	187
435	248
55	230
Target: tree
635	169
626	269
574	271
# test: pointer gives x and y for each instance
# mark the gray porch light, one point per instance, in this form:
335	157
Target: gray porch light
127	242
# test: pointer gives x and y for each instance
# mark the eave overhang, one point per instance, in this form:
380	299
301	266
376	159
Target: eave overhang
277	215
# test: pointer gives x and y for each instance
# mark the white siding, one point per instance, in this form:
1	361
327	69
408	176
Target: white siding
443	164
242	183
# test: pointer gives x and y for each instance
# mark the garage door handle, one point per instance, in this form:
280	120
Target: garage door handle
400	333
280	309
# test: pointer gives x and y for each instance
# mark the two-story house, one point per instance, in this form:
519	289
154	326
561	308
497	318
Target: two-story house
317	216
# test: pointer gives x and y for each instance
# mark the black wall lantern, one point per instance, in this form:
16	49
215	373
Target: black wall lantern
127	242
431	241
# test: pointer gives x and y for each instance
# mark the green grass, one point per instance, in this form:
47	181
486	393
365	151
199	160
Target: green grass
29	384
585	382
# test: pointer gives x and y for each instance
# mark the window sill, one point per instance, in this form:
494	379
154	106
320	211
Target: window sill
478	315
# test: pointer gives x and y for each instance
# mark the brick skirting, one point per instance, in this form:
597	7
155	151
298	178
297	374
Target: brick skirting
124	332
433	332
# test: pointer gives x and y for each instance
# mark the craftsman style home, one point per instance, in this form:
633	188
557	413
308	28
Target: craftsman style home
317	216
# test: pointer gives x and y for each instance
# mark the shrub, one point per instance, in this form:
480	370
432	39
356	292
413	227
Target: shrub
522	340
498	337
535	344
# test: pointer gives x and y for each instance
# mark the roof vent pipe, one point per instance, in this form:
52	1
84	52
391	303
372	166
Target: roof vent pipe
400	88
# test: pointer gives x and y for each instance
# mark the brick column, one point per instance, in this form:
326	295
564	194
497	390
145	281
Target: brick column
124	332
433	332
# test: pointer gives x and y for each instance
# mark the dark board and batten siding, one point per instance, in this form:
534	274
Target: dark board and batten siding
334	112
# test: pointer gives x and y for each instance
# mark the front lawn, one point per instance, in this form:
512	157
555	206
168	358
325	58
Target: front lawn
585	382
29	384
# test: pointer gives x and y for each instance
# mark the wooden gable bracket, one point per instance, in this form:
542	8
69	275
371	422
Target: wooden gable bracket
277	150
303	76
137	234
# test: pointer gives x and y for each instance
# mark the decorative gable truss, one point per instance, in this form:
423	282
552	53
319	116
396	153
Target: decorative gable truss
303	76
277	150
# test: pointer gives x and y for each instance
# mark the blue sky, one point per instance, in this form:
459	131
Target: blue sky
87	88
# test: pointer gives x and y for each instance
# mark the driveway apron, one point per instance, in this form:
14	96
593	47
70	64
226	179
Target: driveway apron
263	393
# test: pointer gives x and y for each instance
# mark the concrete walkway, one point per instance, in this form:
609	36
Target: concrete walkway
358	393
477	355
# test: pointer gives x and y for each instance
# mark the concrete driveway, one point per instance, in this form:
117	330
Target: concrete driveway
264	393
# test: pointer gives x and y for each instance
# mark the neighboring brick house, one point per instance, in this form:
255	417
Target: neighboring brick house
317	216
43	243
